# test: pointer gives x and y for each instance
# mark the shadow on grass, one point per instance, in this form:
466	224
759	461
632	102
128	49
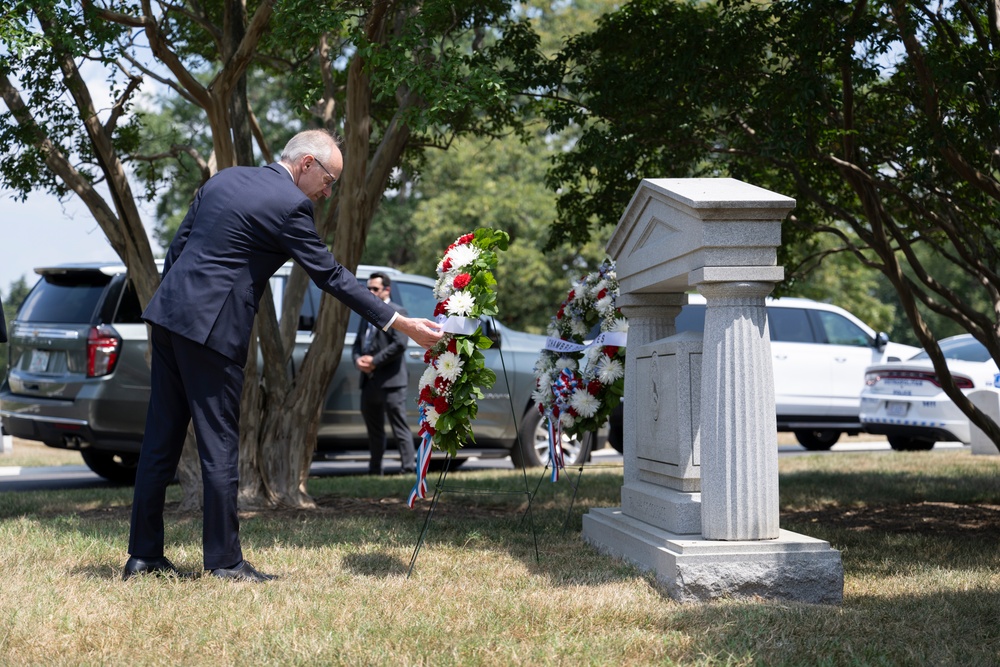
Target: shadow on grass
374	564
955	627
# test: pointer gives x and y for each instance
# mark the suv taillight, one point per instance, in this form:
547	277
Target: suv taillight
103	346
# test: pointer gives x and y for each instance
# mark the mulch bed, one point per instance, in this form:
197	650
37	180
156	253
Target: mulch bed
927	518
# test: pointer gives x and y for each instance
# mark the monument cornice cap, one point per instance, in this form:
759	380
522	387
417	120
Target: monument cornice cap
736	274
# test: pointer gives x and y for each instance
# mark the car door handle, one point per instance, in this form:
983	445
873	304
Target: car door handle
781	357
840	360
414	354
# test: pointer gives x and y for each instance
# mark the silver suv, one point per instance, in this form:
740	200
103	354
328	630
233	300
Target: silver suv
78	377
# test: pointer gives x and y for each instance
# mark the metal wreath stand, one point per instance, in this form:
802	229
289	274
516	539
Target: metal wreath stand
587	443
441	487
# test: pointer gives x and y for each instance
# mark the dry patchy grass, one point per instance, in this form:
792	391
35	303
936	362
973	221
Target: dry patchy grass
916	591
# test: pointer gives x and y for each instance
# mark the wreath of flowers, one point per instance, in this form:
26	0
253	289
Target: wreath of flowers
577	385
456	371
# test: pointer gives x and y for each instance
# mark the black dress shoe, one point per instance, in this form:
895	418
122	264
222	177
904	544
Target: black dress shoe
242	572
161	565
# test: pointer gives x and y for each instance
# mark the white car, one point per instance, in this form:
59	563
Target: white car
905	401
819	355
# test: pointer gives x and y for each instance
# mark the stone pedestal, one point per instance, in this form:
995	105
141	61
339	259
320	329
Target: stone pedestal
700	493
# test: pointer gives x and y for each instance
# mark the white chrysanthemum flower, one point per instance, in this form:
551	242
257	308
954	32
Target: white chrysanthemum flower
584	403
566	362
579	328
552	330
442	290
606	304
601	284
542	395
544	364
566	420
620	325
462	255
431	415
460	304
427	379
593	355
610	370
449	366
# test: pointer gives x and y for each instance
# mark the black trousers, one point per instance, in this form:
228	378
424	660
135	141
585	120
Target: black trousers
377	404
190	384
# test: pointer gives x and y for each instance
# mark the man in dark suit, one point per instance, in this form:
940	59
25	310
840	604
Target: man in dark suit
244	223
3	325
379	355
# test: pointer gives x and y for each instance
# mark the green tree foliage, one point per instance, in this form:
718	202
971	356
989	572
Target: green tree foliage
879	117
497	184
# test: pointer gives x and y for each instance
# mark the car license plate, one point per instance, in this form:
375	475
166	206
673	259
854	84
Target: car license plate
39	361
896	408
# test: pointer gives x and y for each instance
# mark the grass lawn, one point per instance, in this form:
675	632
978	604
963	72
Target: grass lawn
28	453
919	535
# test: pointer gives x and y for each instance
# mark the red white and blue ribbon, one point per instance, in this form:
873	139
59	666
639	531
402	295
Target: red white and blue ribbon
566	384
423	462
555	444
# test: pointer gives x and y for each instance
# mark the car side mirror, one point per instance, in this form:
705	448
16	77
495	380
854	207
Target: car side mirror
492	332
881	340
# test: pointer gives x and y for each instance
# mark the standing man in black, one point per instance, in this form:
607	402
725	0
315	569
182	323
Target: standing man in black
244	223
380	356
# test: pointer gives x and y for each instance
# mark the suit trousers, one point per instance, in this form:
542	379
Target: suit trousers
378	403
190	383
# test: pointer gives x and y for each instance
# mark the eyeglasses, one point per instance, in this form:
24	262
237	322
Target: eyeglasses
333	179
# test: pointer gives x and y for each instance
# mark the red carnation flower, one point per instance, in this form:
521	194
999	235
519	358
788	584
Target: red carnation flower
453	346
439	309
446	264
572	411
610	350
461	280
427	357
559	315
594	387
603	293
426	396
441	405
572	293
462	240
441	384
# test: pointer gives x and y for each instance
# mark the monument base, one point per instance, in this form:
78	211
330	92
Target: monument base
691	568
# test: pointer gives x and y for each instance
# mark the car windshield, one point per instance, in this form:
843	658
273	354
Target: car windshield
65	298
964	348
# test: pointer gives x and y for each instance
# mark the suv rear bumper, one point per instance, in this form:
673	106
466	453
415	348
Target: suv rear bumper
58	424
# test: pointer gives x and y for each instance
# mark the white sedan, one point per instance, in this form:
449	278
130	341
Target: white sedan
905	402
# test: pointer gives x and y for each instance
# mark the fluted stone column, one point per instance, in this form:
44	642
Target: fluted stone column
739	449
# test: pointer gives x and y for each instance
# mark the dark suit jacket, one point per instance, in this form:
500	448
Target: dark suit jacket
388	354
245	223
3	326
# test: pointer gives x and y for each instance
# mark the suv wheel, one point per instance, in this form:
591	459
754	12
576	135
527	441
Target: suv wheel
117	468
902	443
817	440
534	444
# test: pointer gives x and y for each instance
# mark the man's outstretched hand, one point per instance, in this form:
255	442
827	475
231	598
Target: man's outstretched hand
425	332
